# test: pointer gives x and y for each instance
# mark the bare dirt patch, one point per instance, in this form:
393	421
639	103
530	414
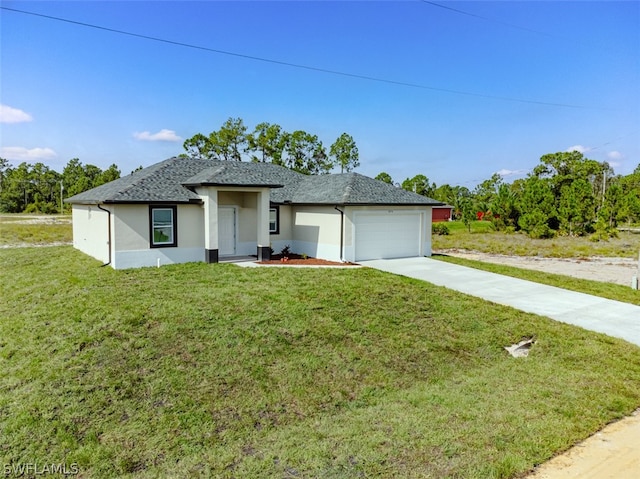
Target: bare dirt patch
611	453
607	270
35	219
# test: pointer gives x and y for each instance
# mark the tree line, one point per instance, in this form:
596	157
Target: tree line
565	194
268	142
37	188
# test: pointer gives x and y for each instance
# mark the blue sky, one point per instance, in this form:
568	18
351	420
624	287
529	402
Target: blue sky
496	84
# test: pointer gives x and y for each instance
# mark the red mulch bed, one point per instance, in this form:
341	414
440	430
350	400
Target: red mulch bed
296	259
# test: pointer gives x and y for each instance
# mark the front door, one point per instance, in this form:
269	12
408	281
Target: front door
226	231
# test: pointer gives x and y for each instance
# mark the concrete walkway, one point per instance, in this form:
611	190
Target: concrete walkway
621	320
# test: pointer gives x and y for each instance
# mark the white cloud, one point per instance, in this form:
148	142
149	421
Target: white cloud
615	155
20	153
578	148
504	172
162	135
13	115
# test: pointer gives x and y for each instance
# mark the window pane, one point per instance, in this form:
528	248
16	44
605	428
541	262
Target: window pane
162	217
163	226
163	234
273	220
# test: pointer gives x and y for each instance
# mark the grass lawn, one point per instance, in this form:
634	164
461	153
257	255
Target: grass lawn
483	238
203	370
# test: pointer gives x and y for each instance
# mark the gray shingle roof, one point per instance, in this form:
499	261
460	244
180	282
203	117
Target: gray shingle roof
350	189
172	181
157	183
238	173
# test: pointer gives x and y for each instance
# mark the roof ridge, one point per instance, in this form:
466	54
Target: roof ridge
148	172
348	189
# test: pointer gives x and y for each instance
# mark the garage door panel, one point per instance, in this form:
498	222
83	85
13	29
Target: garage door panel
387	235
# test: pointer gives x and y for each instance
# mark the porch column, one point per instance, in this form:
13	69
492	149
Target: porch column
264	247
210	197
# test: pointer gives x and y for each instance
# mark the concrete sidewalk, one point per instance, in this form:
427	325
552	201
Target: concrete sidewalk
621	320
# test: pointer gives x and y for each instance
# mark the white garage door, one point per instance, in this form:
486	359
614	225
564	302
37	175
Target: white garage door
389	234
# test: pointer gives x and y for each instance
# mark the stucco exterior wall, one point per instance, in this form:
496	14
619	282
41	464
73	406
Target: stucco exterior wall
316	231
132	241
131	227
91	231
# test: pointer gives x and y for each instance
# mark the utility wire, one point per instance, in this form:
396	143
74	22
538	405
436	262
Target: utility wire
296	65
462	12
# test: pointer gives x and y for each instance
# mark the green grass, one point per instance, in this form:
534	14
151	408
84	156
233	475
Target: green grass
15	229
203	370
605	290
483	238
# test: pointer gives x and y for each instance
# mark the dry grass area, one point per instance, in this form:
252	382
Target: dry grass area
607	270
484	239
34	230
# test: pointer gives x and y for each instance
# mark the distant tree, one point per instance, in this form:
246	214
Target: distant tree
267	143
562	168
537	206
419	184
630	208
576	207
46	189
16	188
110	174
305	154
227	143
31	188
4	167
199	147
467	212
504	207
486	191
299	151
230	142
612	205
74	178
344	153
384	177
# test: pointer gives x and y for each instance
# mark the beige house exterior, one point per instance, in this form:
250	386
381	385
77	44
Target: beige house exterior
186	210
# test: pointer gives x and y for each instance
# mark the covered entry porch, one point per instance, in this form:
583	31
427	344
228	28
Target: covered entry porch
236	222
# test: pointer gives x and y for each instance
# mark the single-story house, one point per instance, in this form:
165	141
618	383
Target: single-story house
186	209
441	213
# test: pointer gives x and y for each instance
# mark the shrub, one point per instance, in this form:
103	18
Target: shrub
286	251
440	229
542	231
603	233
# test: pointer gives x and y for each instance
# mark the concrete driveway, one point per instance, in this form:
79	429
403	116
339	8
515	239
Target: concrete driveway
621	320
